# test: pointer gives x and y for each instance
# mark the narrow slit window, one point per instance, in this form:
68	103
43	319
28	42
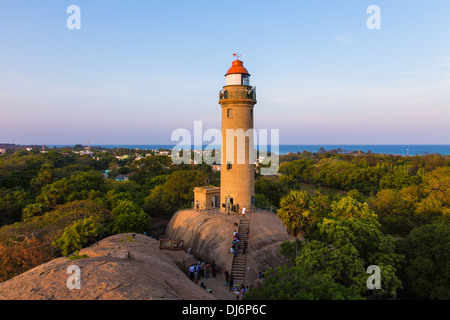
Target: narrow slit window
229	113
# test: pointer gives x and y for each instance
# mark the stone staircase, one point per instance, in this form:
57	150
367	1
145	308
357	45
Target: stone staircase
239	262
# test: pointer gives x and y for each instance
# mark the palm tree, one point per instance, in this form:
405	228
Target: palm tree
294	213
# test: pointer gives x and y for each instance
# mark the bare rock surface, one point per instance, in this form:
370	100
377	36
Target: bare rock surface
124	266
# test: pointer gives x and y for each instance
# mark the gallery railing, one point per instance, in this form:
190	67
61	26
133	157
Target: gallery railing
249	94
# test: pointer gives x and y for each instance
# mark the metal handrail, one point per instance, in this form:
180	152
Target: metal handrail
203	206
250	94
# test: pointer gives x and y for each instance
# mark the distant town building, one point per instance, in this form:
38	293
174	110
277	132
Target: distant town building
86	152
2	151
122	177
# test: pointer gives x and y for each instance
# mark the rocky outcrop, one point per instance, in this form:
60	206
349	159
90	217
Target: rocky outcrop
209	234
131	266
124	266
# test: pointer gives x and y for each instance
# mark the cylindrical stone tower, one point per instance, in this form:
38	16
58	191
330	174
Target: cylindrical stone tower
237	180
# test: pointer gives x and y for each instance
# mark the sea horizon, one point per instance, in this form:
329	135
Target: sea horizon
393	149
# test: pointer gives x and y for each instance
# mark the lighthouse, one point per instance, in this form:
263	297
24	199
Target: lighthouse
237	180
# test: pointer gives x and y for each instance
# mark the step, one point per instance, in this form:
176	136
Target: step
240	267
243	267
239	264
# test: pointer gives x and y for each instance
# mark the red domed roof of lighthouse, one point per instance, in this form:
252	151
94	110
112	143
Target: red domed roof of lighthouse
237	67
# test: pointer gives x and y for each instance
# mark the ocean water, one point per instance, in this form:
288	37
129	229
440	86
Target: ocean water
287	148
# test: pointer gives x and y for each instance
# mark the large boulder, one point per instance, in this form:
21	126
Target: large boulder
124	266
208	236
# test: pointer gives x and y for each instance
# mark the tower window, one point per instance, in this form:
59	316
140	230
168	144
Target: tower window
229	166
229	113
245	80
251	113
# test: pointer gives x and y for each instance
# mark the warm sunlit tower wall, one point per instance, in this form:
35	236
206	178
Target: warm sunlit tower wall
237	180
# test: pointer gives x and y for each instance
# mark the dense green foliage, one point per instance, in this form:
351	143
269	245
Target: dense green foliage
128	217
78	235
295	283
58	202
351	212
427	252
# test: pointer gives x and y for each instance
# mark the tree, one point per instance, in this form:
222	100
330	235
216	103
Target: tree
396	214
176	193
320	204
355	194
295	283
349	208
261	201
150	167
427	252
344	249
78	235
32	210
11	205
128	217
295	214
269	189
77	187
16	259
301	169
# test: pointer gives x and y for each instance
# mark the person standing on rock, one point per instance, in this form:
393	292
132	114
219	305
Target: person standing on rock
243	212
231	282
207	269
196	276
227	277
191	272
214	269
202	269
197	269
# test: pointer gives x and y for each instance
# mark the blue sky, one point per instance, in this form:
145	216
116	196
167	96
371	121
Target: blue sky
138	70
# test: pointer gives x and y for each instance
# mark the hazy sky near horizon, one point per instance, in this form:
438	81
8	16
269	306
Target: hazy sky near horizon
138	70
